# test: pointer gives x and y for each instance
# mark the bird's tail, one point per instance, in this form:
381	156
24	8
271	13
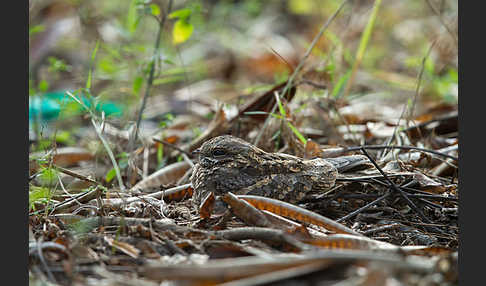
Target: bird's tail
346	163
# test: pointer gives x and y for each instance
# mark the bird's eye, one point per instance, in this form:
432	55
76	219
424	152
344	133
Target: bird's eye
219	153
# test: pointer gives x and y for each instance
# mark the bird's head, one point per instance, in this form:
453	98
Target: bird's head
224	150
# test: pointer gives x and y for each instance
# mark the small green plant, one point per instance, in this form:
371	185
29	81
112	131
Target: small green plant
39	195
160	156
122	164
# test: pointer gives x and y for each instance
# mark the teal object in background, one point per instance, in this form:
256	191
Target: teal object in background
48	106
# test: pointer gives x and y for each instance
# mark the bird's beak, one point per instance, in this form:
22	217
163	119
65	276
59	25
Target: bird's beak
196	153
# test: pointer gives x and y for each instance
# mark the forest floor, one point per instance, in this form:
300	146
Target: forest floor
122	94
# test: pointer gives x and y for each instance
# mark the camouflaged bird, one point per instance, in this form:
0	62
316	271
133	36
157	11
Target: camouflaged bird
230	164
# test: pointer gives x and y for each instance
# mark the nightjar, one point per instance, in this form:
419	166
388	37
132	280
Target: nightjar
230	164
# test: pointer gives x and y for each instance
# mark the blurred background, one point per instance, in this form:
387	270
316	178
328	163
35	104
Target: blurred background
230	52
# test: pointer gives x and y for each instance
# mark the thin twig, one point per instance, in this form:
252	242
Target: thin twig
439	15
263	234
73	174
395	188
110	154
419	80
44	263
172	146
381	228
151	74
103	141
361	209
417	89
300	65
378	147
77	199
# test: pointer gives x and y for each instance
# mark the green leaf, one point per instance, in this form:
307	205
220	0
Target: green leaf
367	31
137	84
39	195
83	226
160	153
48	176
181	14
429	66
90	72
168	79
57	65
297	133
110	175
365	37
43	85
155	9
453	75
339	86
36	29
64	137
301	6
107	65
278	116
131	22
181	32
167	119
281	109
167	61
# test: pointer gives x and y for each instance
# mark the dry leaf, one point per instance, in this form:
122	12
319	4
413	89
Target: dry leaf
166	176
245	211
312	150
126	248
207	206
63	157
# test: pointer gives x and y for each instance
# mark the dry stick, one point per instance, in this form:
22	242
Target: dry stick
433	197
297	213
377	147
361	209
263	234
421	194
151	76
381	228
145	167
402	193
299	66
44	263
364	178
420	197
79	199
73	174
429	203
172	146
158	195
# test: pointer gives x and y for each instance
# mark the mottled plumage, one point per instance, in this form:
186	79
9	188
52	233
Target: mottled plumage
230	164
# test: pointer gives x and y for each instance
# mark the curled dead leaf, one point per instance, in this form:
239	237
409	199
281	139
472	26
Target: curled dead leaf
166	176
126	248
